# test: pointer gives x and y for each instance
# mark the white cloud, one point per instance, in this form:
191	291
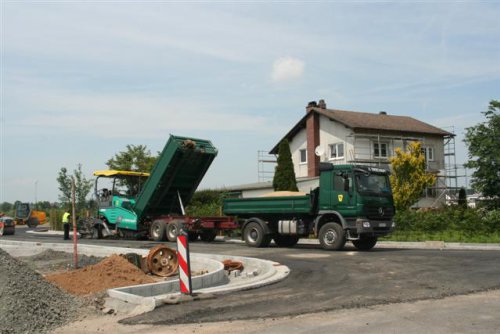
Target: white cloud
287	68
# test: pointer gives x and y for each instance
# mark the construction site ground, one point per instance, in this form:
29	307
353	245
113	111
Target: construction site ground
426	288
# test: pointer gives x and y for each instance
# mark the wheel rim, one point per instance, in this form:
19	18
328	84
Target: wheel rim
162	261
253	235
330	237
172	231
156	230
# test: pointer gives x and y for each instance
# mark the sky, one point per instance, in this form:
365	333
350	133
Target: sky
81	80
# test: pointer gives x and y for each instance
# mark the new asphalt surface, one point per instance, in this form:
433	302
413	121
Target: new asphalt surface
323	281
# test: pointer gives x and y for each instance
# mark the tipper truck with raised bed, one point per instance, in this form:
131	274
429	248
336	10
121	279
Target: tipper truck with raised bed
352	203
137	204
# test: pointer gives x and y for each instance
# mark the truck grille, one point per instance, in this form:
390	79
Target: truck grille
379	212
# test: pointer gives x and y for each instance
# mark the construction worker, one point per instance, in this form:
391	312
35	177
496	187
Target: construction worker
65	221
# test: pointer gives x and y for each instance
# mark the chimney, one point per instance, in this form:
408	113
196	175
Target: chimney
322	104
311	105
312	135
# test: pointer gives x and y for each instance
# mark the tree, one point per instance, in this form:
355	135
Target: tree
409	178
284	175
484	152
6	207
82	187
135	158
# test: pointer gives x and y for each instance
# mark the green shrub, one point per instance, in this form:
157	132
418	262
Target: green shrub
453	224
206	203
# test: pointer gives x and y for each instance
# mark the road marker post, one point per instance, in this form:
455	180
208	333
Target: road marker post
184	263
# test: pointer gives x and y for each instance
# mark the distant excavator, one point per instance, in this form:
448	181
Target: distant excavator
24	214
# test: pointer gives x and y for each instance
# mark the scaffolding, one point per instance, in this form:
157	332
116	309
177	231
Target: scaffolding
266	165
446	186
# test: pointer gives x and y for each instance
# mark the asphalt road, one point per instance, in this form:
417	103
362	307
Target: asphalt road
325	281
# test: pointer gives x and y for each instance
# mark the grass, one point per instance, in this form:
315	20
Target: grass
446	236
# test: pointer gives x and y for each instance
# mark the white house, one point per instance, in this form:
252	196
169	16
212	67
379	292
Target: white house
342	137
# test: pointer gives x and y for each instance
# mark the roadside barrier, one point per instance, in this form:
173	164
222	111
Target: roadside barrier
184	264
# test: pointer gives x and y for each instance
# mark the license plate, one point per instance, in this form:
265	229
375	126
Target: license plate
382	225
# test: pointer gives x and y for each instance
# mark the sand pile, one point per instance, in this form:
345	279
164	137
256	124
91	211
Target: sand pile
112	272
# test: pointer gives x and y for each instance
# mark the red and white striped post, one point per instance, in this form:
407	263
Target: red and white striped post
184	263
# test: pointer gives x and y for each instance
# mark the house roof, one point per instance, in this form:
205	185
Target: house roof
363	121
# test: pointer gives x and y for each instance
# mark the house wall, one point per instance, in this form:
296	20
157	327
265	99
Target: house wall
329	133
298	143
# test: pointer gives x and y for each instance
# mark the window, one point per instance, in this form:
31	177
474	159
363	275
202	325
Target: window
380	150
428	153
337	151
303	156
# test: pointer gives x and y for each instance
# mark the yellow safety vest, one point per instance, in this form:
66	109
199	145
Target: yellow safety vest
65	218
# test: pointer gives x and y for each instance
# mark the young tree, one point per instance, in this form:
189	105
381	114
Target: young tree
82	187
284	175
484	152
135	158
409	178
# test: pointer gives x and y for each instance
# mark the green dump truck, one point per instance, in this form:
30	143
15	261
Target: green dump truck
151	205
352	203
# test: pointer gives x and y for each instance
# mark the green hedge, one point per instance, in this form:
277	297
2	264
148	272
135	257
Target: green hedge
206	203
452	224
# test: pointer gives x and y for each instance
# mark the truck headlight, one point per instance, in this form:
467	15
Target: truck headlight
393	224
366	224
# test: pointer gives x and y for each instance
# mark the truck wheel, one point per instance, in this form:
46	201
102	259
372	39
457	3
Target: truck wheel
208	236
157	231
173	229
366	243
285	240
97	232
254	235
332	236
32	222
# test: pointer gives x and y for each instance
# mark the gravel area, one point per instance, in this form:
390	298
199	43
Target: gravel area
50	261
28	303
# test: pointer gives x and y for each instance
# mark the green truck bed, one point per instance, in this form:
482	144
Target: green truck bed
179	170
248	207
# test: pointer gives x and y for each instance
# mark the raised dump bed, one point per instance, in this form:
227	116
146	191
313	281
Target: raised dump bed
178	172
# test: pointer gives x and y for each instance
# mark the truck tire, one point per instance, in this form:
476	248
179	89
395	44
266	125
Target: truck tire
173	229
97	231
254	235
32	222
365	243
332	236
285	240
157	231
208	235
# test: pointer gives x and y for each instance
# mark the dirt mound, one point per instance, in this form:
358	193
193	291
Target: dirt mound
112	272
28	303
